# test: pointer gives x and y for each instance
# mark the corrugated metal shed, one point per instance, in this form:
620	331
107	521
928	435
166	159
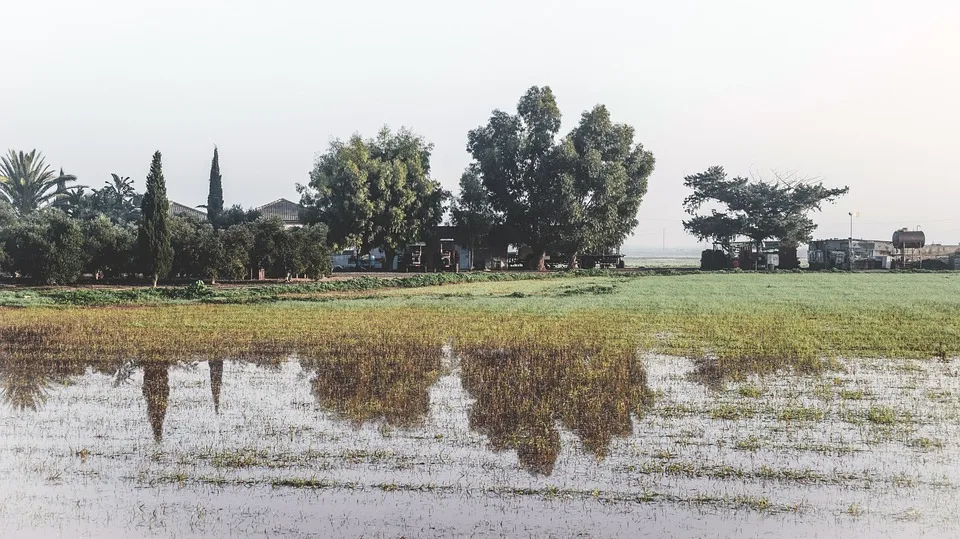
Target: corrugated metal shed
287	211
182	210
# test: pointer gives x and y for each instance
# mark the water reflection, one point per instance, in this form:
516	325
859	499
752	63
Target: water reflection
523	392
156	391
216	381
523	395
26	384
364	380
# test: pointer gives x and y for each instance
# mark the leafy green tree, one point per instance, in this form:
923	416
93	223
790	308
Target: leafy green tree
759	210
312	256
183	242
517	160
28	183
236	215
197	249
236	251
209	251
215	195
604	179
472	211
339	193
109	247
270	247
47	247
153	238
8	216
375	192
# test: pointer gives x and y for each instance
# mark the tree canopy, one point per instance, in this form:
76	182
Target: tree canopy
582	192
46	246
760	209
515	156
471	210
604	181
375	192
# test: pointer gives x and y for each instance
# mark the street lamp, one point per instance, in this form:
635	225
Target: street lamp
852	214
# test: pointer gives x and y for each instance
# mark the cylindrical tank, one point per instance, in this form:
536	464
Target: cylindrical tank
908	239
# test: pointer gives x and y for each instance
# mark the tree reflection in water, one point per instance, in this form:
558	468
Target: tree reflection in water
26	383
156	391
363	379
522	392
216	381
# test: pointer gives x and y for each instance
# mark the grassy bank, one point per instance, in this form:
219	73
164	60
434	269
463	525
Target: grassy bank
733	323
247	293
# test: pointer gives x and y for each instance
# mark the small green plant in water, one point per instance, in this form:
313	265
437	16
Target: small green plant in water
851	394
750	443
882	415
800	413
925	443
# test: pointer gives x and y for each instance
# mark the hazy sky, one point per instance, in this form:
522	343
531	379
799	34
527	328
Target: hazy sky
858	93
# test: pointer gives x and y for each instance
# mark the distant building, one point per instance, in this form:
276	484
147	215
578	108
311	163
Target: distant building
837	253
288	212
181	210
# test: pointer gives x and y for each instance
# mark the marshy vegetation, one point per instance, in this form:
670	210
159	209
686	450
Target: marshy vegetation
734	325
660	394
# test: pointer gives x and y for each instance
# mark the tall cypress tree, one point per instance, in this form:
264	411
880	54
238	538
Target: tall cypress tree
153	238
215	196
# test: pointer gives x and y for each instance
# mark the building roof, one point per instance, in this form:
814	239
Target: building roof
288	212
182	210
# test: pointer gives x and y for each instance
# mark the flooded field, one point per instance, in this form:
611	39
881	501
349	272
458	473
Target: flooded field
475	440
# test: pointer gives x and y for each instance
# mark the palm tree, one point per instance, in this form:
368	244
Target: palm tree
74	202
28	183
120	188
116	199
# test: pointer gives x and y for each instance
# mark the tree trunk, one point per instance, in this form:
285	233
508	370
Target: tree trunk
155	278
363	250
542	260
572	264
389	255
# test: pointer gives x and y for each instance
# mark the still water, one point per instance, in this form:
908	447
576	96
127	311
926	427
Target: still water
474	442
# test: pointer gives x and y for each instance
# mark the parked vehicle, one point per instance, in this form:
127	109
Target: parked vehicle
448	258
414	258
347	260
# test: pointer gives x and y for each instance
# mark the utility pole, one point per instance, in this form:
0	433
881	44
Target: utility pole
852	214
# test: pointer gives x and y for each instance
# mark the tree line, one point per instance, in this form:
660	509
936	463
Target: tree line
51	233
526	185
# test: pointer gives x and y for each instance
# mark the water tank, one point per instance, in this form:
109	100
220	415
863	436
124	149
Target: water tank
908	239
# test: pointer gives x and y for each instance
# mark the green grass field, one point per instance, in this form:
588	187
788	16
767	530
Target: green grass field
746	322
